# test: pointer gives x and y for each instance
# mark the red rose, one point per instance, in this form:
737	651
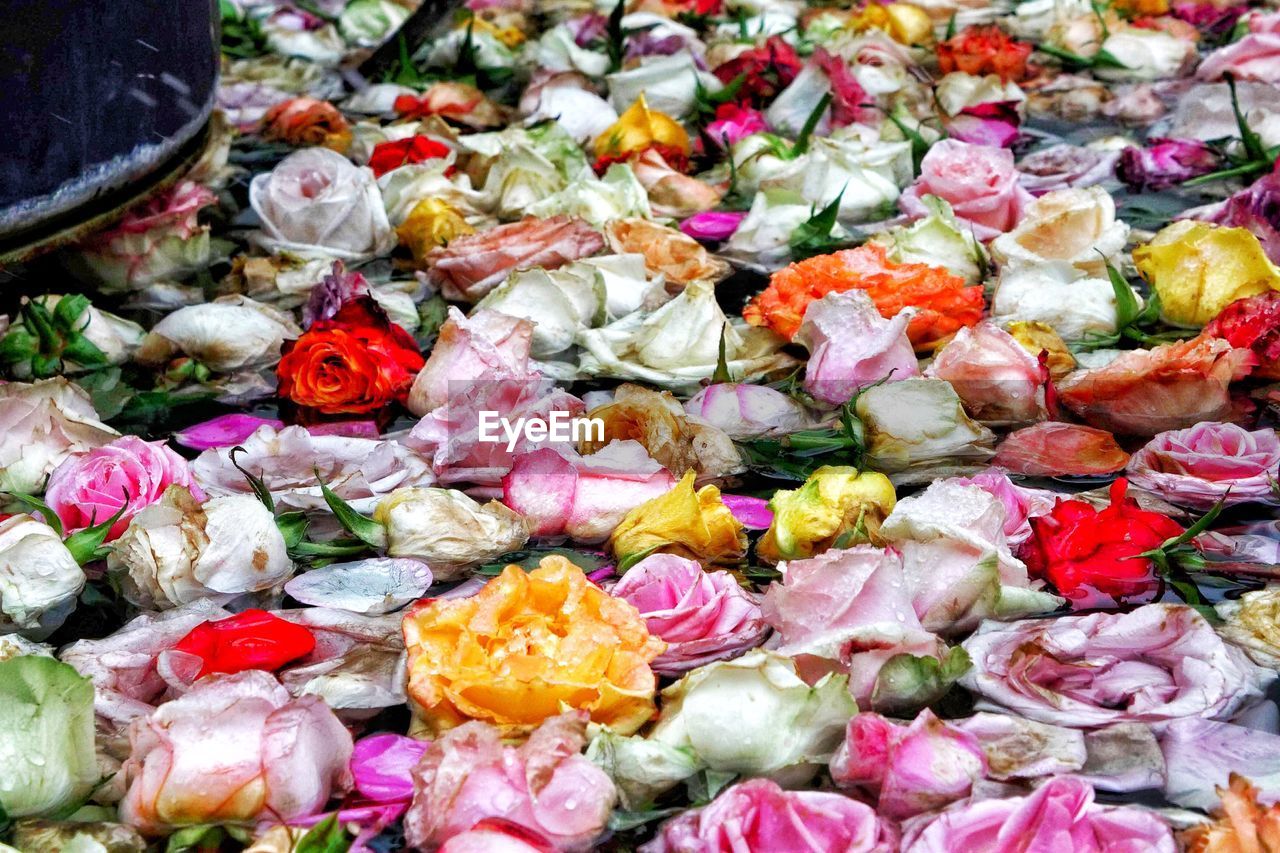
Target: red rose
353	363
982	50
253	639
1253	323
1082	550
766	70
416	149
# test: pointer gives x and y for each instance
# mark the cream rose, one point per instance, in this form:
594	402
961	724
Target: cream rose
1078	226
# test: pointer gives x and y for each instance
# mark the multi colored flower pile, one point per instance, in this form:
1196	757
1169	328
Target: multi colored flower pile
670	426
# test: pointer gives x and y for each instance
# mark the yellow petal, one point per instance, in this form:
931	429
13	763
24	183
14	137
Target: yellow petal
836	504
639	128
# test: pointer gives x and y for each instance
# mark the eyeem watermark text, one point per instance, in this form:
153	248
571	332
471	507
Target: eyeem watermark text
494	428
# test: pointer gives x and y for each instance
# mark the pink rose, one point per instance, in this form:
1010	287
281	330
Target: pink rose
1060	815
1200	465
272	756
1158	663
496	836
702	616
979	181
381	765
849	610
489	345
759	816
1254	57
734	122
712	225
909	768
743	410
1020	504
89	488
998	380
468	775
584	497
851	346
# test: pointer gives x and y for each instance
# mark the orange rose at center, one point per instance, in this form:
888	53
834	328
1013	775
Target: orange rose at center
524	648
945	302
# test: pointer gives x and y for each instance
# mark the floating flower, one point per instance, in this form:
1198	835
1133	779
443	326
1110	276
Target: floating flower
41	425
1077	226
251	640
684	522
393	154
981	50
836	504
1208	462
1052	448
979	182
524	646
1240	822
851	346
447	529
1165	163
307	121
640	129
1253	323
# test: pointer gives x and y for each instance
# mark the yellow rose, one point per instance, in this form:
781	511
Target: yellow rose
1252	622
524	648
837	506
1036	337
432	222
1198	269
692	524
904	22
640	128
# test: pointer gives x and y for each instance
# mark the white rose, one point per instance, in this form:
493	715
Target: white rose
864	173
1058	294
763	237
559	302
557	50
668	83
447	529
316	200
41	424
232	333
917	430
937	240
781	726
39	578
957	91
1078	226
1146	55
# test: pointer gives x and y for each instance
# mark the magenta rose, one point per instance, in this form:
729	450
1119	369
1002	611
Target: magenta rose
979	181
1060	815
758	815
1200	465
89	488
702	616
469	775
909	769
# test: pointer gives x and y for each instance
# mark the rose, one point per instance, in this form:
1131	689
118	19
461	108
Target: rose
1062	166
980	183
981	50
416	149
917	425
1256	56
909	768
41	425
676	256
998	379
123	476
1253	323
306	121
39	577
276	758
447	529
250	640
1020	504
837	503
496	836
784	727
489	345
474	264
683	521
742	410
177	551
160	240
1208	462
852	346
758	815
701	616
544	785
354	363
1146	54
1078	226
641	129
1060	813
584	497
316	201
359	470
712	225
1257	208
733	122
1053	449
1165	163
432	223
1057	294
381	766
765	70
577	645
232	333
1158	663
1083	551
1143	392
1242	818
672	194
1198	269
1253	624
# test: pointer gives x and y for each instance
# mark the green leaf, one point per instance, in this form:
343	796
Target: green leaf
721	373
907	683
69	310
1200	526
919	145
86	545
260	490
616	39
813	236
50	517
293	527
206	837
1127	305
951	28
1250	140
810	124
327	836
704	785
622	821
83	351
362	527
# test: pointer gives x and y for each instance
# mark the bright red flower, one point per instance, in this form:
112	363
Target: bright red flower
1253	323
402	152
253	639
980	50
849	102
1083	551
766	70
356	362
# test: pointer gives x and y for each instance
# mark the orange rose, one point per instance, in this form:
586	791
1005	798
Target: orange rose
982	50
524	647
944	301
353	363
679	258
307	121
